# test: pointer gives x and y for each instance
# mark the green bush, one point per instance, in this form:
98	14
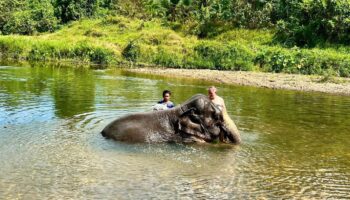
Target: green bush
224	57
12	48
42	13
20	23
344	70
131	52
210	18
42	51
68	10
31	17
303	61
101	55
307	23
167	58
93	54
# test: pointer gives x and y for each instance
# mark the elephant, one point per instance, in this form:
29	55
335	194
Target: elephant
197	120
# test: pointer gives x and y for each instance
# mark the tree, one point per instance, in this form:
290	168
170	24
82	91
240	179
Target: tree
306	23
69	10
7	8
27	17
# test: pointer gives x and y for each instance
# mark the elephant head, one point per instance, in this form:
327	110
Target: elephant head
201	120
196	120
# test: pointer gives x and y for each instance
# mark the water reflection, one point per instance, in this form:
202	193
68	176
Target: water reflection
295	144
73	91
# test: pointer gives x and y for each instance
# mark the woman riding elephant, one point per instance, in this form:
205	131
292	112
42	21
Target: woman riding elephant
196	120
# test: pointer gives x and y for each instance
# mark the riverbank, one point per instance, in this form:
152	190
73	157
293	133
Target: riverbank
331	85
297	82
119	40
243	57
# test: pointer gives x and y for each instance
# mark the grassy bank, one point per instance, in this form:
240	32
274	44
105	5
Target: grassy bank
116	40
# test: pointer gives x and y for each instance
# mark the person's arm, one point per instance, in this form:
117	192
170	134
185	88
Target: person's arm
223	104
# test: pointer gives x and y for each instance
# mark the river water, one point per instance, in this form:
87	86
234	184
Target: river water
295	144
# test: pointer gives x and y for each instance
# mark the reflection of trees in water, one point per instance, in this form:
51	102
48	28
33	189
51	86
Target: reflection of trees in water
286	108
128	89
23	84
303	124
181	88
73	91
117	90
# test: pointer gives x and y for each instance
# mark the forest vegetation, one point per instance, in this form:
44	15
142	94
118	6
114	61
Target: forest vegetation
290	36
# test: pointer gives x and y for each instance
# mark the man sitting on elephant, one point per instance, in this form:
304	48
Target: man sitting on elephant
220	103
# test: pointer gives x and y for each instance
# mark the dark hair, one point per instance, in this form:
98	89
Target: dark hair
166	92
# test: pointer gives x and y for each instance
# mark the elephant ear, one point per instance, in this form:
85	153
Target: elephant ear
190	125
187	112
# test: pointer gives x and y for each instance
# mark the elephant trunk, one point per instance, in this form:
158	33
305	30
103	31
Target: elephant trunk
229	130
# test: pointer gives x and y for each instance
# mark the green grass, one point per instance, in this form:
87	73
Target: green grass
116	40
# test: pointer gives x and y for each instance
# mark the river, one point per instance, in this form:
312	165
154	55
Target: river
295	144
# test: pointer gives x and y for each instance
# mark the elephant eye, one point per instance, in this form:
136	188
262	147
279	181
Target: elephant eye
196	111
215	116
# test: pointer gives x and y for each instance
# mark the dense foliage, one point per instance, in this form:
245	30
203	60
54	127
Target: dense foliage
298	22
206	18
116	40
309	22
291	36
31	16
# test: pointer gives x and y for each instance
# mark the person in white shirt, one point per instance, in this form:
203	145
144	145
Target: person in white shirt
220	103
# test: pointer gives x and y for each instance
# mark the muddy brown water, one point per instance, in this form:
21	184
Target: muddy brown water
295	144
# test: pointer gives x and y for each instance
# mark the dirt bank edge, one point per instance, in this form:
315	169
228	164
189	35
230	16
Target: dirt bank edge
332	85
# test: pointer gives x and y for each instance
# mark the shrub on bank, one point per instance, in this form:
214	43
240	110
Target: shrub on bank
94	54
303	61
80	51
35	50
215	55
168	57
13	47
131	52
